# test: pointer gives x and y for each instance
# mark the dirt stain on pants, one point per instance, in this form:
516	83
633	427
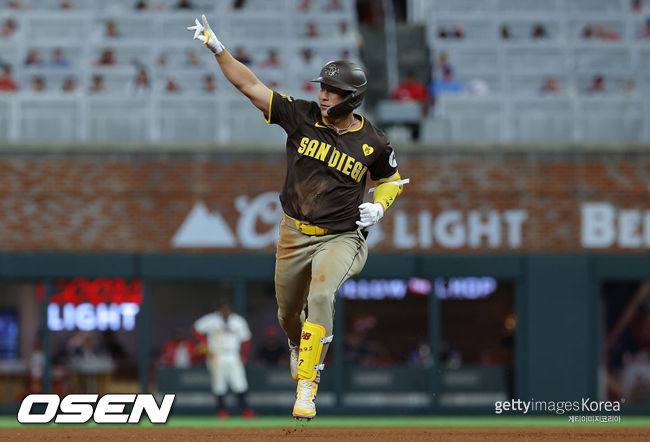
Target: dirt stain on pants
308	272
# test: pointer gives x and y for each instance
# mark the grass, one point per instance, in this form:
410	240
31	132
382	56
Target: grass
365	421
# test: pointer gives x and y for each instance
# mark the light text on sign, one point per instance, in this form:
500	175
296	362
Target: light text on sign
97	304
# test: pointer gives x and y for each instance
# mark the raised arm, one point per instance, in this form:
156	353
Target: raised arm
237	73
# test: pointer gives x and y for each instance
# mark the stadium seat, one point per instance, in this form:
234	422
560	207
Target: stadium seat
5	114
472	120
108	121
51	120
181	121
610	120
542	120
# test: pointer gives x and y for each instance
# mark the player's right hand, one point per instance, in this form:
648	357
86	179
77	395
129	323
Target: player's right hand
203	33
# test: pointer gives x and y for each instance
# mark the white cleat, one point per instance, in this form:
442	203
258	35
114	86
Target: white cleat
305	408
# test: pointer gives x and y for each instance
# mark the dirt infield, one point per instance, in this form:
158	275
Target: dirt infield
329	434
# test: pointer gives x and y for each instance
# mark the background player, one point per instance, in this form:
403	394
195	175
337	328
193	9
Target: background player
329	151
228	343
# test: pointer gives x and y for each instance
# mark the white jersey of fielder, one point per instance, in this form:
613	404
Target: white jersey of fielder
224	336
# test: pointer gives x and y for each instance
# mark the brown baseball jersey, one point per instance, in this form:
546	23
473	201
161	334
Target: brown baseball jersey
326	171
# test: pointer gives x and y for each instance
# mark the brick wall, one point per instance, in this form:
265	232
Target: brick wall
456	202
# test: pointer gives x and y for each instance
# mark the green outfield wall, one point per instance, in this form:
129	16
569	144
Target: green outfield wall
558	305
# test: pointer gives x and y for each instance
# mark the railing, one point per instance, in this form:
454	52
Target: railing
510	119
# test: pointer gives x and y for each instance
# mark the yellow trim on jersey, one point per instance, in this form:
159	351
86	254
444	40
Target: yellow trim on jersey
358	128
268	120
317	124
393	177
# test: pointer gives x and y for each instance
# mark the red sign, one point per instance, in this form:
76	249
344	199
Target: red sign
95	291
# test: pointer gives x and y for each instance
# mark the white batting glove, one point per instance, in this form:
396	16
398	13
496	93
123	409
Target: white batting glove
203	33
371	213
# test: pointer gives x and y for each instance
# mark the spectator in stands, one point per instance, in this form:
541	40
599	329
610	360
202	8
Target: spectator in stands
645	30
334	5
171	86
446	84
412	89
478	87
272	60
141	5
69	85
13	4
550	86
191	58
636	6
603	33
538	32
599	31
505	32
37	84
273	350
349	36
107	58
457	31
140	83
442	63
305	6
110	29
65	5
241	56
59	59
597	85
627	347
421	357
97	84
238	4
209	84
9	28
162	60
184	4
34	58
178	352
311	30
370	11
629	87
307	60
7	83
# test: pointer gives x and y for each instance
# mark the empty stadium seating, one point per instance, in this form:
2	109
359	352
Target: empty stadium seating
514	69
583	39
109	42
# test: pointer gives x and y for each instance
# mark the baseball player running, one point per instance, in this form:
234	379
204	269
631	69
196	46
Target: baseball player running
226	332
322	243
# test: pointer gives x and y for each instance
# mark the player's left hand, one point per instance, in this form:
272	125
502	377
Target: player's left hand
370	213
204	34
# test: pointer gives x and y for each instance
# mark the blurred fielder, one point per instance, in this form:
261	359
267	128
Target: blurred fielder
329	151
226	333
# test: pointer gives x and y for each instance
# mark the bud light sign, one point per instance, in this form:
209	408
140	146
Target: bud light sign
99	304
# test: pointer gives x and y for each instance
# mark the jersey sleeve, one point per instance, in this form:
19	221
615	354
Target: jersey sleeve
385	165
243	331
286	112
204	324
